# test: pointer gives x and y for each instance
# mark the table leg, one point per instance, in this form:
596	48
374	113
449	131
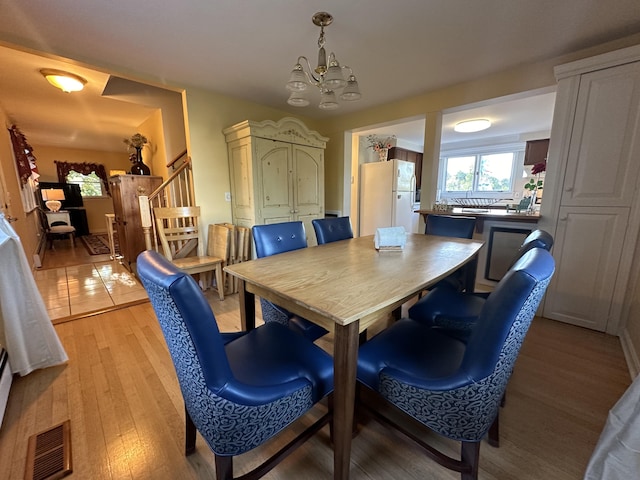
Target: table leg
345	358
470	270
247	302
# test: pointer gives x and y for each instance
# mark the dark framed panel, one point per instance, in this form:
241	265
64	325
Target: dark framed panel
502	250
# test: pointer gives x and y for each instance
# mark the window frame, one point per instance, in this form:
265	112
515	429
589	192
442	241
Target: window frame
517	149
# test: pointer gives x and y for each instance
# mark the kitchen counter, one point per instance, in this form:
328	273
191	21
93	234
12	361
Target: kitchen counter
492	214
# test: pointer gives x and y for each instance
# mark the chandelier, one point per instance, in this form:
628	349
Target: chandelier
327	76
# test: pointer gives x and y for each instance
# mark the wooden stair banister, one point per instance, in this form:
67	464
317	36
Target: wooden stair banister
175	191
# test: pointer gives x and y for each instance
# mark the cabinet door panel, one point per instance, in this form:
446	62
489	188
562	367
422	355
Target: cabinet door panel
587	251
309	187
605	147
309	170
274	166
241	175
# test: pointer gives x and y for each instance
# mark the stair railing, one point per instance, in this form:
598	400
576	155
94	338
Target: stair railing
175	191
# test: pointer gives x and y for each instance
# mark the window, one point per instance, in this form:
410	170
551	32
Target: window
487	174
90	185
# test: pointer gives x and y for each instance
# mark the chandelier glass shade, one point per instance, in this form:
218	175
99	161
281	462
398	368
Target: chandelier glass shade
328	76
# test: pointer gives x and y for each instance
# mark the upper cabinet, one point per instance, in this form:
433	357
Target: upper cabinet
409	156
536	151
604	153
277	173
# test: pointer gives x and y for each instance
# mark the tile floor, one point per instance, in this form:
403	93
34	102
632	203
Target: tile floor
76	290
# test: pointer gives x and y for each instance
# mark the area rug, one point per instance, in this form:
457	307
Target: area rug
99	244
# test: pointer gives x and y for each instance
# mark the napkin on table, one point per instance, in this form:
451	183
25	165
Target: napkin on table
390	238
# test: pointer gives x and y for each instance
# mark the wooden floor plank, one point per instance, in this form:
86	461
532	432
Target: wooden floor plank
120	392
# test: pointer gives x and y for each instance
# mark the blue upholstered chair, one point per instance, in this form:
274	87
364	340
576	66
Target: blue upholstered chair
451	387
239	389
278	238
332	229
451	226
456	312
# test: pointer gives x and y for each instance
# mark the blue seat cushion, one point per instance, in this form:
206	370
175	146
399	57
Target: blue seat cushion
450	310
271	356
411	351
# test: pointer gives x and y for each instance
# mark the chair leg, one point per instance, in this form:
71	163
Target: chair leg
470	455
224	468
190	434
493	437
220	281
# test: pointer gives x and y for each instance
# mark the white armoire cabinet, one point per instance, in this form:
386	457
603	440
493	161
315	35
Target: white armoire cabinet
276	172
591	201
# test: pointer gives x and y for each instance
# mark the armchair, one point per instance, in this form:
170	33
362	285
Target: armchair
239	389
453	388
456	312
278	238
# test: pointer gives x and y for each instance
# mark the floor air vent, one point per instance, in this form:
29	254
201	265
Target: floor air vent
49	453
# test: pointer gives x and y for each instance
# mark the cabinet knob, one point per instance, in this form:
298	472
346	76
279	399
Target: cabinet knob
568	189
564	219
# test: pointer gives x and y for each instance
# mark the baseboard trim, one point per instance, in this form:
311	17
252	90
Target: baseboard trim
630	354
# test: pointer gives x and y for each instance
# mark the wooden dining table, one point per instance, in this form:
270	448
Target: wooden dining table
346	287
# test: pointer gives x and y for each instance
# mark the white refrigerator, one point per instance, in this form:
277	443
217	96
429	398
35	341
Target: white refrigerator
387	194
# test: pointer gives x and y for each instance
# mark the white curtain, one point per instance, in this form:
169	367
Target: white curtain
25	327
617	453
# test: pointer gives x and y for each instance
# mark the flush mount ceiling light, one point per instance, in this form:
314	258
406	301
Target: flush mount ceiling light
327	76
470	126
65	81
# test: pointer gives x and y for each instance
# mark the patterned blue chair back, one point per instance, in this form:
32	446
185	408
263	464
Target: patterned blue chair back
450	226
332	229
465	406
232	416
278	238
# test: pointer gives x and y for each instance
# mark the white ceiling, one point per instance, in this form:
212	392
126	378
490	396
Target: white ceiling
247	49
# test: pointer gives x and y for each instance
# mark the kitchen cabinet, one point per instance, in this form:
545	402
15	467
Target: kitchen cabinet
276	173
408	156
125	190
536	151
591	201
587	247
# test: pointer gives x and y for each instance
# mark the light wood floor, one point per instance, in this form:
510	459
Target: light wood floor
120	393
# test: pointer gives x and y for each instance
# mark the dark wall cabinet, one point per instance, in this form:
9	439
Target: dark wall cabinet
409	156
536	151
125	190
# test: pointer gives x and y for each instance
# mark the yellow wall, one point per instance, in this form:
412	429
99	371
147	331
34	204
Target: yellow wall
207	115
523	78
96	207
154	154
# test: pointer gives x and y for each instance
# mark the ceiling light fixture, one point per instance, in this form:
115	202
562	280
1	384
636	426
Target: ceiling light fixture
327	76
65	81
470	126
